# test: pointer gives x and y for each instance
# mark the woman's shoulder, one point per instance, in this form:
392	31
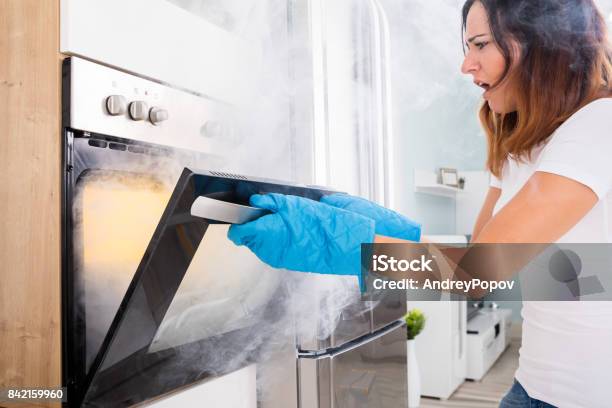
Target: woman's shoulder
597	105
581	148
599	110
592	119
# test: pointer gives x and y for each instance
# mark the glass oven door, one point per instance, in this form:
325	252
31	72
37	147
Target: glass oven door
186	312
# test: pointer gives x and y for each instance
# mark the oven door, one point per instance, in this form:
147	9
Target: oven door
190	46
188	310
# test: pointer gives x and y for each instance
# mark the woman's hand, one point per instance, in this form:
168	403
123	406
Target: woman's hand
305	235
388	222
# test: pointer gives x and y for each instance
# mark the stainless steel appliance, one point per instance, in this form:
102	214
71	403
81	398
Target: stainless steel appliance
361	362
144	309
369	372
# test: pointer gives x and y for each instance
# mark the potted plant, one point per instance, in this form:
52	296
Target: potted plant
415	322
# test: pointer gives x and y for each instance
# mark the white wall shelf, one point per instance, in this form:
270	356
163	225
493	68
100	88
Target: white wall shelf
426	182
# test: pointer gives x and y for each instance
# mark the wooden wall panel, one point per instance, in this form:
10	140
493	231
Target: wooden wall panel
30	76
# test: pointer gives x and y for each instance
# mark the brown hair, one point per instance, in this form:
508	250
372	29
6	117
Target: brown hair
564	62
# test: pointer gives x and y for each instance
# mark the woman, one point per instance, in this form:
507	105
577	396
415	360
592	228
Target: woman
545	68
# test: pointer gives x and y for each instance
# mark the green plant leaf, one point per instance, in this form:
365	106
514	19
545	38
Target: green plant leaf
415	322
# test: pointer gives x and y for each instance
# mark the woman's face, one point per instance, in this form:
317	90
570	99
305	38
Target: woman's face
485	62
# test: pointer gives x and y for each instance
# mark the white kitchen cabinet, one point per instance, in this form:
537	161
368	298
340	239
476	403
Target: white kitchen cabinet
234	390
162	41
441	347
488	337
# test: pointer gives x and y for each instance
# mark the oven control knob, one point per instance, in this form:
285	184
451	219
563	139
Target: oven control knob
157	115
138	110
116	105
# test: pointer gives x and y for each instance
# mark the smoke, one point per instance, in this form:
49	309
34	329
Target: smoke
427	52
225	290
261	316
260	311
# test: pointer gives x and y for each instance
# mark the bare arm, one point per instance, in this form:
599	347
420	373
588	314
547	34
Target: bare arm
486	212
546	208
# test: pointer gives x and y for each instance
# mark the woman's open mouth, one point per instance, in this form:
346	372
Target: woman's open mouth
484	86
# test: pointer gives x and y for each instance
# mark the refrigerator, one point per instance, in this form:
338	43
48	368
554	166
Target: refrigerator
361	361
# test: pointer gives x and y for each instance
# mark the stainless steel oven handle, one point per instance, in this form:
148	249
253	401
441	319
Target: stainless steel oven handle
223	211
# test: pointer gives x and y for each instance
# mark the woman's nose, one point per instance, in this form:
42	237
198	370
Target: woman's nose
470	64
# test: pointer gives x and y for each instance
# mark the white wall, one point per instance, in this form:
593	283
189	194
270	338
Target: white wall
435	105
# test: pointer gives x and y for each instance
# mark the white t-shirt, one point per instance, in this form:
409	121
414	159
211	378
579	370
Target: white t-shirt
566	353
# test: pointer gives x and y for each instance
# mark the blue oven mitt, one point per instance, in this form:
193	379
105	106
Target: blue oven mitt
388	222
305	235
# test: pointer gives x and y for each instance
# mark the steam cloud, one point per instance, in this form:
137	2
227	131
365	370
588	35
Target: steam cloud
226	287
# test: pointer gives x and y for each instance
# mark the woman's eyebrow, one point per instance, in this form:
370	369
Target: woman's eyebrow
471	39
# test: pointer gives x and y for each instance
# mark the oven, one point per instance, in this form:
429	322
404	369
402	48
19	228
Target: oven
155	297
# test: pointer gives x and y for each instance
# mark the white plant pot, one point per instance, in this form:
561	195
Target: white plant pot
414	376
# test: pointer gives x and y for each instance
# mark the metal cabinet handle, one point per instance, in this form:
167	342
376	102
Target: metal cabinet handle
225	212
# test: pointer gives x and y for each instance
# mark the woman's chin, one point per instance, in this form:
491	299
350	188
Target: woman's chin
498	108
502	107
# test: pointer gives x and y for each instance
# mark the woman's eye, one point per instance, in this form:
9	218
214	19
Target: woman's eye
481	45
